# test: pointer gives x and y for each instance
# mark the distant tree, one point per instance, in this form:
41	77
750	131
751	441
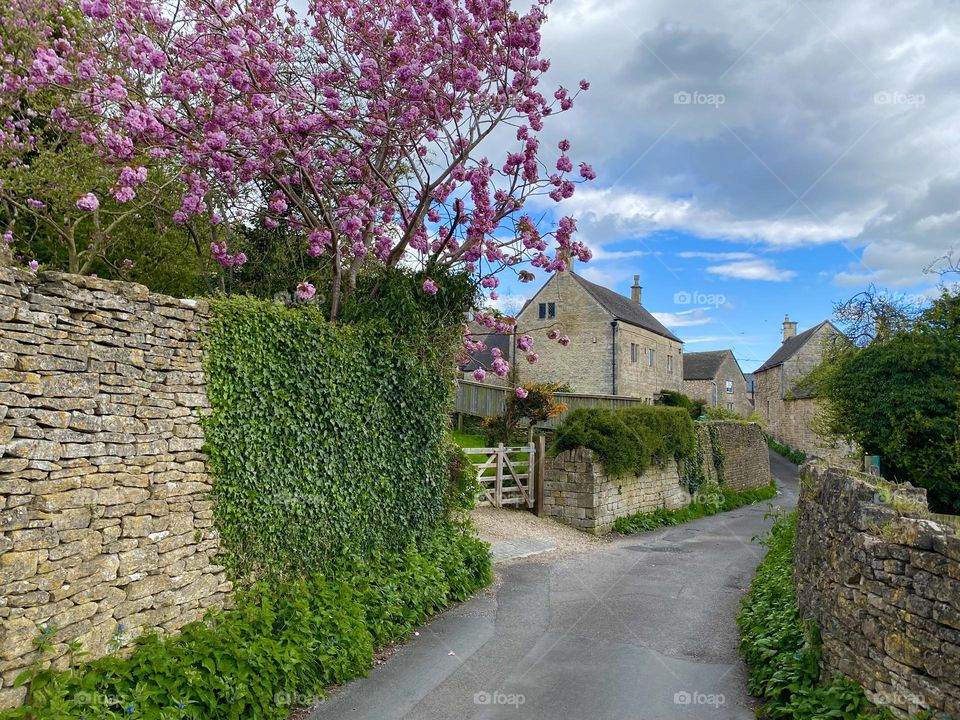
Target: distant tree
875	316
899	397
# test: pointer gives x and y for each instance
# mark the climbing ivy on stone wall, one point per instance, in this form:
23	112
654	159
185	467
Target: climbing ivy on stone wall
325	440
716	452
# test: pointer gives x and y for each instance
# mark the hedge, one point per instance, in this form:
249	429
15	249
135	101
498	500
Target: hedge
281	644
631	439
325	440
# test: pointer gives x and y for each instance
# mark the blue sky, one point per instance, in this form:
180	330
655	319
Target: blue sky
758	158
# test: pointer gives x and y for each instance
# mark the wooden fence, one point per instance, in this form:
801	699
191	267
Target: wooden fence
951	520
483	400
510	475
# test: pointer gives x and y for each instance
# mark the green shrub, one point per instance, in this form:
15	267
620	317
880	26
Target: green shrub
795	456
462	485
782	652
672	398
281	644
324	440
628	440
709	500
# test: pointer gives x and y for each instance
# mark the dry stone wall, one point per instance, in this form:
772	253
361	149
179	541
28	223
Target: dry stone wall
745	463
578	492
104	511
882	584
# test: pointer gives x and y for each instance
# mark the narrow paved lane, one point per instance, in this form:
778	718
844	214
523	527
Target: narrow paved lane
642	628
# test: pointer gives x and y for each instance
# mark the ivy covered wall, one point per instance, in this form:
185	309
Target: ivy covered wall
326	441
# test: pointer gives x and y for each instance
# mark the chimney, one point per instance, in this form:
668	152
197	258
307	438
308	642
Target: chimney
635	289
789	328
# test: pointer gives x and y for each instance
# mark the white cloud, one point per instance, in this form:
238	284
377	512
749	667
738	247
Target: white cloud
509	303
685	318
752	270
800	153
717	255
629	212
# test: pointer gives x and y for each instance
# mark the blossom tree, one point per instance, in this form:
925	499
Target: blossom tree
361	125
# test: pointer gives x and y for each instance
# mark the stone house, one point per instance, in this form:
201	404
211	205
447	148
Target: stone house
786	404
716	378
616	346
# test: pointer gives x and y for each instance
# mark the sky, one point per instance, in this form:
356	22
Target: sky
758	158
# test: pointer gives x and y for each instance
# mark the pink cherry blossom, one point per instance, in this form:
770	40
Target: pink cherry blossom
479	374
305	291
521	392
430	287
88	203
316	108
564	340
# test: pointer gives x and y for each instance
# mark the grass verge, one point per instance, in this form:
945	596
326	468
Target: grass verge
278	647
709	500
782	650
795	456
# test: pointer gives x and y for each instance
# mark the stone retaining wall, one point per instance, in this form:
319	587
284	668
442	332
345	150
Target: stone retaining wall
578	492
882	584
104	514
746	460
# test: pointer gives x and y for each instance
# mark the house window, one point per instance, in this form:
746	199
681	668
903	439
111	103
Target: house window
729	387
547	311
669	363
651	356
729	406
634	352
543	311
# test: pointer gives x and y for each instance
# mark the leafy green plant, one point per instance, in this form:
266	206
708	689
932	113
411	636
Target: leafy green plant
673	398
325	440
709	500
463	486
536	405
783	651
282	643
897	396
628	440
716	451
795	456
691	473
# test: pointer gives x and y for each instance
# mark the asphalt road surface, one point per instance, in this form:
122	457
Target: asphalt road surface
641	628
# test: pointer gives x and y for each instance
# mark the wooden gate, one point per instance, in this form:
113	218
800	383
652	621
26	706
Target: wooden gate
508	475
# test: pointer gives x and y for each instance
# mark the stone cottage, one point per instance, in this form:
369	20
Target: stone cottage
784	401
716	378
616	346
